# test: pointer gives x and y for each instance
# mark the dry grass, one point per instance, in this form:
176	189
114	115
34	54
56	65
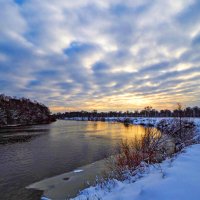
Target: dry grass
132	158
182	132
152	147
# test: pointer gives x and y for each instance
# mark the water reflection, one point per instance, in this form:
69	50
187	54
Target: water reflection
114	131
21	134
61	147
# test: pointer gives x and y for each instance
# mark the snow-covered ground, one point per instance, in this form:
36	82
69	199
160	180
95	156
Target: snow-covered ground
134	120
175	179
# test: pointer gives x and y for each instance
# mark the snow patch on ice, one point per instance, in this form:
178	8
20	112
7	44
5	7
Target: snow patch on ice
45	198
78	171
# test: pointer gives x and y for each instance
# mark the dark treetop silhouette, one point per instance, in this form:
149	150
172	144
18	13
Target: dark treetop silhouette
22	111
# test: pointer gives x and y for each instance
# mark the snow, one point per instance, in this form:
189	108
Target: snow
45	198
133	120
177	178
78	171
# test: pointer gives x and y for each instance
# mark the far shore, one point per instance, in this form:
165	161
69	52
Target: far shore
143	121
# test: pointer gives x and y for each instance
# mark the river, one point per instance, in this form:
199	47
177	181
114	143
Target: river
54	149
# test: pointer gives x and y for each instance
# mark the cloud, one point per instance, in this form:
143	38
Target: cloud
110	54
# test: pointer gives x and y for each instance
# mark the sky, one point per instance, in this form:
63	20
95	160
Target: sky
101	54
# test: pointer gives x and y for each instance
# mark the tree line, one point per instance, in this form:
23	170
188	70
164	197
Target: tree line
146	112
22	111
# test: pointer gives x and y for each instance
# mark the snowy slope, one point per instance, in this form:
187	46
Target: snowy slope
178	180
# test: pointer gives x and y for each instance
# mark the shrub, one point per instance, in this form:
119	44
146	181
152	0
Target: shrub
150	148
153	147
182	131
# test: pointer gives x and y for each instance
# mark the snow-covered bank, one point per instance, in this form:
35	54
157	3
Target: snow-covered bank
153	121
132	120
176	179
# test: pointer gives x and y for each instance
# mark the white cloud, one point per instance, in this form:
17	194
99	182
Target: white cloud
141	45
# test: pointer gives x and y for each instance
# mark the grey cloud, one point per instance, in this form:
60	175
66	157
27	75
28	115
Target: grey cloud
48	47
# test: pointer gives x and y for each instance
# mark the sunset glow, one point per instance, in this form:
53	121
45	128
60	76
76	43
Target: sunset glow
104	55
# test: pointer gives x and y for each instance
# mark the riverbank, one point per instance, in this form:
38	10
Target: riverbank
21	111
145	121
68	185
176	178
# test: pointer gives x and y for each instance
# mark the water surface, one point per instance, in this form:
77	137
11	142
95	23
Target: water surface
54	149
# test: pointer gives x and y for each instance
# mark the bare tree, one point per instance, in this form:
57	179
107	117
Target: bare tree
180	115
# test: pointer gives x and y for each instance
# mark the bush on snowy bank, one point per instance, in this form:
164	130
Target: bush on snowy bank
181	130
129	165
152	147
